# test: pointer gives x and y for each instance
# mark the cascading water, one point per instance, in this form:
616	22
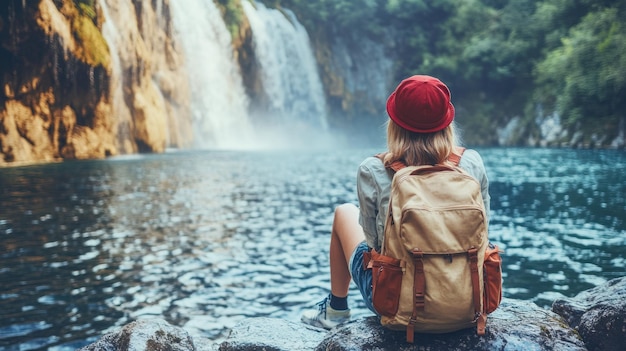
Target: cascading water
220	106
113	37
289	71
219	103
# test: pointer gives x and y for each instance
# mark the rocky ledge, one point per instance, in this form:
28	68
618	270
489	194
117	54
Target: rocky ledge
593	320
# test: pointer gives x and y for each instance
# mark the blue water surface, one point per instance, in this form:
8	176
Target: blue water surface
204	239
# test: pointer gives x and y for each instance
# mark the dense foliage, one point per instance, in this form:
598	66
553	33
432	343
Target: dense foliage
501	58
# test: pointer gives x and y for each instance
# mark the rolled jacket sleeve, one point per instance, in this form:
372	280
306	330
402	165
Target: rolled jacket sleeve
367	193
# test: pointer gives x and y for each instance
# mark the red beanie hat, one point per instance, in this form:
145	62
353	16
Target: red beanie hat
421	104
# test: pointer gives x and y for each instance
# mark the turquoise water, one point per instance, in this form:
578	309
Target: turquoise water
204	239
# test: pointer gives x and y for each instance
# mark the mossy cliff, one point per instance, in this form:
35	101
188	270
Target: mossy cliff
47	109
59	77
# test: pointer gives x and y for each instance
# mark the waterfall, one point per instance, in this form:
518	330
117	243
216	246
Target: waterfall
295	108
219	103
289	71
113	37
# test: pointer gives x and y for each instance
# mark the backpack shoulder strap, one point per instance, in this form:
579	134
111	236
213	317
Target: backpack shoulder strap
455	156
395	166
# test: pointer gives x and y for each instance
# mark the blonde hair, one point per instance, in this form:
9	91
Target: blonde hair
415	149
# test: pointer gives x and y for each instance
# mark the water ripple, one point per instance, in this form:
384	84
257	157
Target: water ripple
205	239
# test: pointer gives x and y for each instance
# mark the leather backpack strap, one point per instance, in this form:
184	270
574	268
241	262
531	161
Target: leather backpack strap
481	318
419	292
395	166
455	156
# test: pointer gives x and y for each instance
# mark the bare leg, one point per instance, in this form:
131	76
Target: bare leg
345	237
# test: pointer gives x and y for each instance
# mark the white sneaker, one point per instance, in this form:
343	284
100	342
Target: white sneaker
325	316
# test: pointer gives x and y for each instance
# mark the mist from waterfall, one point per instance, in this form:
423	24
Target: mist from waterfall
289	75
219	102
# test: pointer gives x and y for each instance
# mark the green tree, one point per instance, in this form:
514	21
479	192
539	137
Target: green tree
585	78
486	54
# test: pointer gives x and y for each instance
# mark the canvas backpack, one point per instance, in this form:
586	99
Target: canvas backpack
430	274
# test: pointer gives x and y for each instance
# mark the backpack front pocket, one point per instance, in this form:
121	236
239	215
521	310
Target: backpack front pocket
386	284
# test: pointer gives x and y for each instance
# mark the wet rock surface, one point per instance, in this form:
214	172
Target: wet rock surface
154	334
596	320
272	334
598	314
517	325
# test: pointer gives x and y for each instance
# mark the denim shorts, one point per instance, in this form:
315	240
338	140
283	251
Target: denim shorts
362	277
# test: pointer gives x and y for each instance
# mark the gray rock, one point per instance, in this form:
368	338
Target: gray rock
272	334
516	325
598	314
150	335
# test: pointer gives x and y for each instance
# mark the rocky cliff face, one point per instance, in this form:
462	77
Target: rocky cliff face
358	75
93	78
54	87
67	93
150	94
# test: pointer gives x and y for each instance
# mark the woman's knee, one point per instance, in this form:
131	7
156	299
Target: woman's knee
346	212
346	229
346	221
